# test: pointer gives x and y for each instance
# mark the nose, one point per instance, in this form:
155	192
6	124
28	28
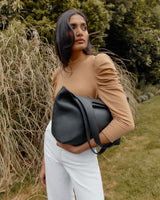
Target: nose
79	31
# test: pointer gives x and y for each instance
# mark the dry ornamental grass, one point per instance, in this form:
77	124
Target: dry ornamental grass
26	69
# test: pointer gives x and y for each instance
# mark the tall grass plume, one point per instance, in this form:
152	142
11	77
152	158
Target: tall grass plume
26	68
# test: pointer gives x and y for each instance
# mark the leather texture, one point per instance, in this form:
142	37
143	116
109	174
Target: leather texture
77	119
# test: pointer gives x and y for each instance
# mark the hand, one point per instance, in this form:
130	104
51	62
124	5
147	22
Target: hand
84	146
42	174
71	148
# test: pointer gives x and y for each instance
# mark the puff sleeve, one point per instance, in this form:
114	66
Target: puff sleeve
110	91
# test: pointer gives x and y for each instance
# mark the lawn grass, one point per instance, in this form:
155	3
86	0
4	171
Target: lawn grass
130	171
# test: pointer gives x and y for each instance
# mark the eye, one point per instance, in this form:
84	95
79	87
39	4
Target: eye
84	27
73	26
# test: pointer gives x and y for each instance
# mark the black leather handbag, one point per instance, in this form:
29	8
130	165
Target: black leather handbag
77	119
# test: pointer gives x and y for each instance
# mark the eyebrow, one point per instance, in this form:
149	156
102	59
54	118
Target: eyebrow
74	24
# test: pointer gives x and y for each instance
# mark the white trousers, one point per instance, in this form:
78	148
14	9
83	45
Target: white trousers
66	171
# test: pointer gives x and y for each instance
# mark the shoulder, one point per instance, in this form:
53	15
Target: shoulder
103	61
102	56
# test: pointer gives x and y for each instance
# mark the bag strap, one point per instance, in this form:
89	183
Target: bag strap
89	123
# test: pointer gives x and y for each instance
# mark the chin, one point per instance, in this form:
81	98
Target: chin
78	48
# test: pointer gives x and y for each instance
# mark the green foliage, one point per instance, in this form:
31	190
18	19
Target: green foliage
144	44
150	88
130	29
8	10
44	14
156	16
134	35
37	13
145	51
98	20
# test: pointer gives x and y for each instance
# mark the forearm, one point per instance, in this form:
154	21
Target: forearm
42	174
43	163
103	139
85	146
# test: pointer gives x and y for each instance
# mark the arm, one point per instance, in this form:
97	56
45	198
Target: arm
110	91
42	175
85	146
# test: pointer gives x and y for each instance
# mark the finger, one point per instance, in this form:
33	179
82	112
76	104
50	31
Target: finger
60	144
43	181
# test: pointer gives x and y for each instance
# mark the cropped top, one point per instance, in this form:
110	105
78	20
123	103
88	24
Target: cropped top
97	77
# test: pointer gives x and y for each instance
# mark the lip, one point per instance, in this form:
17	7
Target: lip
80	41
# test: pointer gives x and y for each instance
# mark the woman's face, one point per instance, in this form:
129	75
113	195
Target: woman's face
81	35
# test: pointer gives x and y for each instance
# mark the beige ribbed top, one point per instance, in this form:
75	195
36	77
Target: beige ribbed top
96	77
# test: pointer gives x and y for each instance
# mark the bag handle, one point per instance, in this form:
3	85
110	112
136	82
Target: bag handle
89	123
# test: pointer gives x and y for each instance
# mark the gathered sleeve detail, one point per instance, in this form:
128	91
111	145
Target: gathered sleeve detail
110	91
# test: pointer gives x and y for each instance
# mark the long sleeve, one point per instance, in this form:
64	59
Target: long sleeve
110	91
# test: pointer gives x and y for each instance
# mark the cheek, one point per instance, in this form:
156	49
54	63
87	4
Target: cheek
87	36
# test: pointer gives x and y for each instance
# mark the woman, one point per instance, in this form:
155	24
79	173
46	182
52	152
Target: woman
66	167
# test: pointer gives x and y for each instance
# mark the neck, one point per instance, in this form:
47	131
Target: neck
76	55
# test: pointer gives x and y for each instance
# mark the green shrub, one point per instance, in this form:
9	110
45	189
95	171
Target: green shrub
150	88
